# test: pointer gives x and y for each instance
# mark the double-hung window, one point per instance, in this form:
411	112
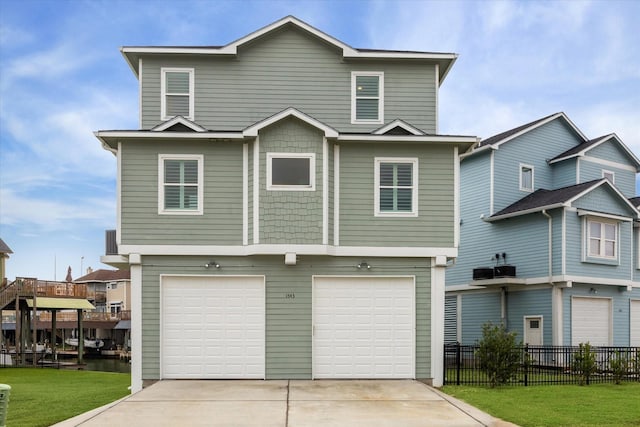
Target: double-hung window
602	238
396	186
291	171
526	178
177	93
180	184
367	97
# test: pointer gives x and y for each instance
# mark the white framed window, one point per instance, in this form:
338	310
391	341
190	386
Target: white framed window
291	171
180	184
610	175
367	97
602	239
526	177
177	93
396	186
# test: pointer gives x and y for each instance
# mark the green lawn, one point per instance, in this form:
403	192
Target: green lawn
44	396
563	405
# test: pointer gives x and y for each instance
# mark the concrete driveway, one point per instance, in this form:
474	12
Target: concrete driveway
283	403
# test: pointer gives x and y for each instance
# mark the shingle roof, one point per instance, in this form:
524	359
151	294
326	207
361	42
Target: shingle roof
4	249
541	198
578	148
635	201
104	276
504	135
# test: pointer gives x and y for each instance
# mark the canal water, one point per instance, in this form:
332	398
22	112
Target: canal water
104	365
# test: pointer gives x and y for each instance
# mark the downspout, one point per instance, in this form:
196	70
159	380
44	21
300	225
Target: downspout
544	212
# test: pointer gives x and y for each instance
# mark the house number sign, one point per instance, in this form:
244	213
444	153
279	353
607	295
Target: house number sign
290	295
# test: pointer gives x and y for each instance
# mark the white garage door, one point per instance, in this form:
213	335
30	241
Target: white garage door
212	327
634	324
591	321
363	327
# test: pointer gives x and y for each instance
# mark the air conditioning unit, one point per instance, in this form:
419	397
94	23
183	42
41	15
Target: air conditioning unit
504	271
482	273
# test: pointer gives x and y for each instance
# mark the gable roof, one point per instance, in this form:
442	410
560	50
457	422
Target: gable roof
501	138
104	276
391	127
253	130
635	201
133	53
581	149
543	199
179	123
4	248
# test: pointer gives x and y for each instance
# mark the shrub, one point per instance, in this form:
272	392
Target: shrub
619	365
584	363
498	353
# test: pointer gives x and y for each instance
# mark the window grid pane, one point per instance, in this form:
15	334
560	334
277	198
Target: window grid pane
527	178
602	239
181	184
367	97
396	187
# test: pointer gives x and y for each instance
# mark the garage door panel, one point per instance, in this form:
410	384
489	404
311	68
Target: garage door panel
591	321
358	332
213	327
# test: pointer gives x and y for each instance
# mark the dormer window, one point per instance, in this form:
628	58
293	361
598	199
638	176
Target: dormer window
177	93
526	178
367	97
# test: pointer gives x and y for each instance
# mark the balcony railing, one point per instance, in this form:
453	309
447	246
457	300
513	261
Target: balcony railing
27	287
72	316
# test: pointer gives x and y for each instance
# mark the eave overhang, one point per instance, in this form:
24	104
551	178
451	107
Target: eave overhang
132	54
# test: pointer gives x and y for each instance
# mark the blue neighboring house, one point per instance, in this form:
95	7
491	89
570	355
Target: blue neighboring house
549	240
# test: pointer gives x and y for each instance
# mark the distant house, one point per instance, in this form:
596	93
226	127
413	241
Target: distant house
5	250
287	209
549	238
108	290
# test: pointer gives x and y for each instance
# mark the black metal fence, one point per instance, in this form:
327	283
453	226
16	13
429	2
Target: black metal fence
544	365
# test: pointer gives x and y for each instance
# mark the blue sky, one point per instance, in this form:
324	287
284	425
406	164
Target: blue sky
62	77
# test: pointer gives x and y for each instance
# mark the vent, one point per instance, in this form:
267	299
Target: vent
504	271
482	273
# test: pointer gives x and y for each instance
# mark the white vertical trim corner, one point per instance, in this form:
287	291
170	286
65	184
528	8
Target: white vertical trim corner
456	197
325	191
564	241
459	318
336	195
437	322
119	195
256	191
491	186
437	91
245	194
556	318
578	170
140	92
136	327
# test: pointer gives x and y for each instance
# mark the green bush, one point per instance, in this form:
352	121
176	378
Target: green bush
619	365
498	353
584	363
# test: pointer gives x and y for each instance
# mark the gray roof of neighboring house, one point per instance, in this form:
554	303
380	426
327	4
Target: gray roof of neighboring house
4	248
506	134
104	276
635	201
541	199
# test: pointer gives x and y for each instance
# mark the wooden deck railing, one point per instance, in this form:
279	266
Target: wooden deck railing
72	316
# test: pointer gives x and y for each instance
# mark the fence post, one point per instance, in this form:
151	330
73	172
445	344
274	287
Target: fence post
526	364
458	362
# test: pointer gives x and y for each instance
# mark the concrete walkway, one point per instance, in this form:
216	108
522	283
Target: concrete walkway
282	403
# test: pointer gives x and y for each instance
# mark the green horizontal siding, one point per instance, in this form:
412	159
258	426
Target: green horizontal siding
288	322
290	69
221	223
433	227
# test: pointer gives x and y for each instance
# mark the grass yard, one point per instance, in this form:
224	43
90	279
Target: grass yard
564	405
41	397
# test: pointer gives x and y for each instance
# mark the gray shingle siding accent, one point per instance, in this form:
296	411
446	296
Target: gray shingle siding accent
290	69
291	216
288	322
